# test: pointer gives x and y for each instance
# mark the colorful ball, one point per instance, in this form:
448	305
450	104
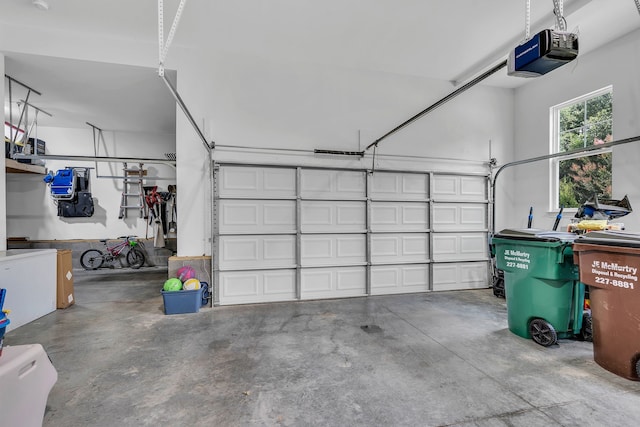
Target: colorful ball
191	284
172	285
185	273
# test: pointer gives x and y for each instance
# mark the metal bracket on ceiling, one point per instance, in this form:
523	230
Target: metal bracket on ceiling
163	50
558	10
163	47
23	111
97	136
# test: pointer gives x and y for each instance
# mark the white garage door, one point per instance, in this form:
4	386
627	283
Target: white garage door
308	233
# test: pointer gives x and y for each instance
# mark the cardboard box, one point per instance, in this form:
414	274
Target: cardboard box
65	280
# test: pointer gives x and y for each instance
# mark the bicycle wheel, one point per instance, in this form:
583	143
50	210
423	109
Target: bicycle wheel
135	258
91	259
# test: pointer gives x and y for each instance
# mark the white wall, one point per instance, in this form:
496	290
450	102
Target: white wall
3	204
616	64
32	213
246	101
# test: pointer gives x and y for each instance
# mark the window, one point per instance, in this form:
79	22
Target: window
580	123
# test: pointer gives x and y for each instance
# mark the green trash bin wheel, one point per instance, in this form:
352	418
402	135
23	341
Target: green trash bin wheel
543	332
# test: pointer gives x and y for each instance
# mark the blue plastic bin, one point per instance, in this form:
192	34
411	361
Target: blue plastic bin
179	302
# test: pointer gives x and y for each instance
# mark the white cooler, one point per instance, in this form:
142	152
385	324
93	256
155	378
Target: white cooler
26	378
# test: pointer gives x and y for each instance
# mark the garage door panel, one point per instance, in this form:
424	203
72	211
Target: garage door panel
463	275
385	247
255	217
250	182
394	216
239	214
385	215
459	246
239	250
473	188
393	186
330	216
473	216
333	282
351	215
328	184
459	217
256	252
278	214
333	249
237	285
398	248
277	249
459	188
279	284
396	279
415	215
247	287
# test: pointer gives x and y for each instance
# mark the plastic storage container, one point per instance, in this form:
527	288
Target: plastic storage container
4	320
179	302
545	301
609	262
26	378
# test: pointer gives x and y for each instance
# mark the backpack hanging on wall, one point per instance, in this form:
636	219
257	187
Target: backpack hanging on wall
80	206
74	183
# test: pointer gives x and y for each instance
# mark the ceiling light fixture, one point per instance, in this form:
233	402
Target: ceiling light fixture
41	4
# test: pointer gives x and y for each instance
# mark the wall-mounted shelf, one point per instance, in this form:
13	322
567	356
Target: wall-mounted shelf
13	166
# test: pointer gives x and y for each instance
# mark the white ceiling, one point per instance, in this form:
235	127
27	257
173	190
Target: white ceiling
110	96
451	40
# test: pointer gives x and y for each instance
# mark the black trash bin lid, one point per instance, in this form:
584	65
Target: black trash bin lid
611	238
537	235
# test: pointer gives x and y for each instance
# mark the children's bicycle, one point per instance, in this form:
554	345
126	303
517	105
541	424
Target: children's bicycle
128	248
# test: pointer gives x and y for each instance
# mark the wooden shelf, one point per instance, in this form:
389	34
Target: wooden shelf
14	166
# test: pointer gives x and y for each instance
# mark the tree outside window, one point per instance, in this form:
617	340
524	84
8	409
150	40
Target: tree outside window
582	123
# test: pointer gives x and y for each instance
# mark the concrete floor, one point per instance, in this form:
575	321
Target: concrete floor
437	359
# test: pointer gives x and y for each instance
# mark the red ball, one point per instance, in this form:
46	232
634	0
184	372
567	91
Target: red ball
185	273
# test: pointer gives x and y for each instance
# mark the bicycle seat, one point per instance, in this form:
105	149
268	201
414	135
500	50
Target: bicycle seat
104	241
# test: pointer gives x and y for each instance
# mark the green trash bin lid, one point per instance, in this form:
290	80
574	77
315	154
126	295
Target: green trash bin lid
536	235
611	238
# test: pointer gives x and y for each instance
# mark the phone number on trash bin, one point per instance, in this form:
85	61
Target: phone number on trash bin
618	283
519	265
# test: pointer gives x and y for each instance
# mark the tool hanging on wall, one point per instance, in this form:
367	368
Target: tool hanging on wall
530	221
173	225
558	218
155	205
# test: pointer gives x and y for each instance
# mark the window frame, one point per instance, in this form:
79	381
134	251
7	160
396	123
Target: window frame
554	144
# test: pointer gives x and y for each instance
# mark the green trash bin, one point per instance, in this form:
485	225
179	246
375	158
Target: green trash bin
545	300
